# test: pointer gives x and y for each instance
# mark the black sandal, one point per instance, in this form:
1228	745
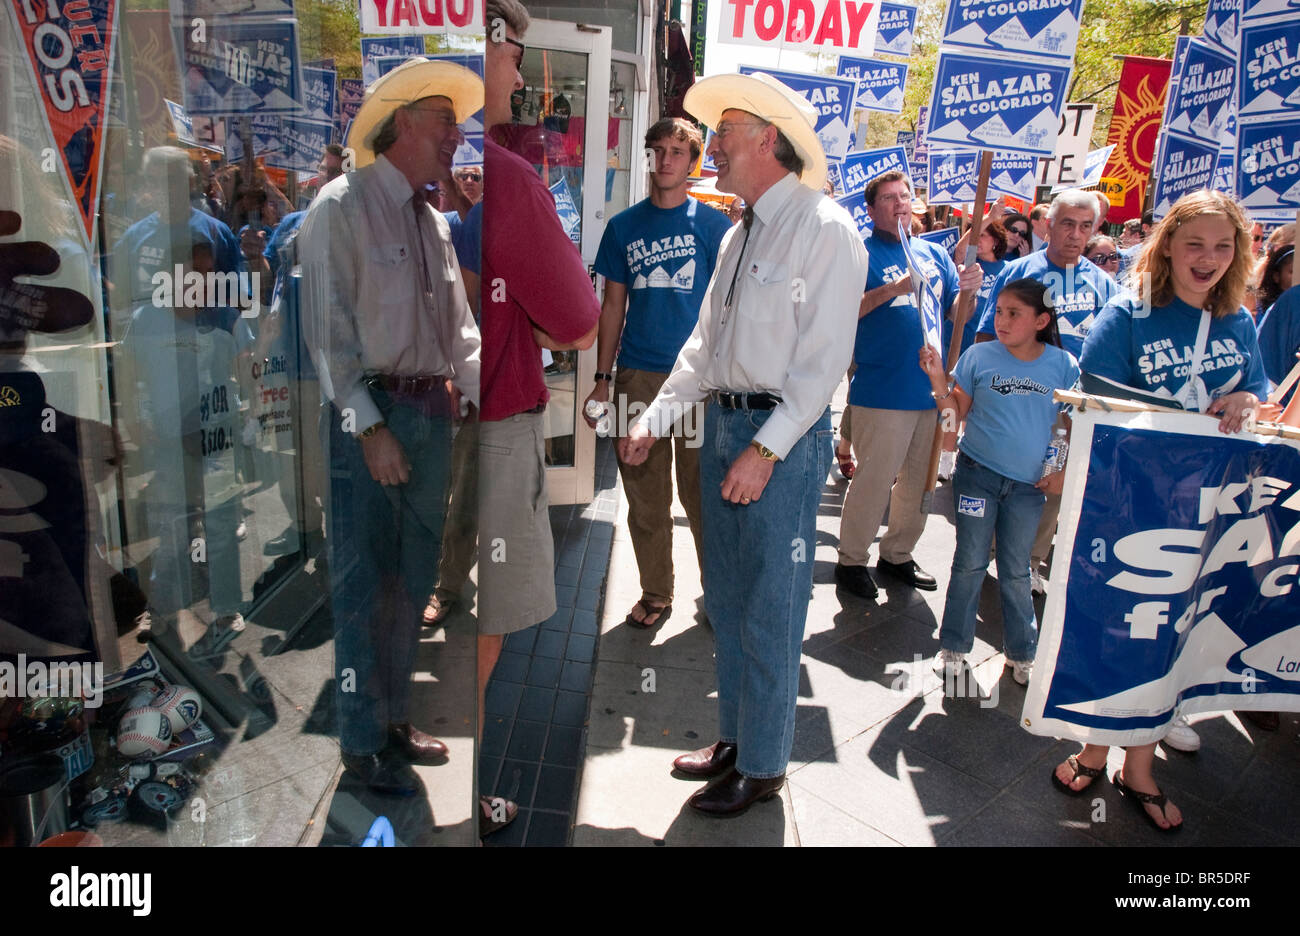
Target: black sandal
1140	802
662	613
1080	770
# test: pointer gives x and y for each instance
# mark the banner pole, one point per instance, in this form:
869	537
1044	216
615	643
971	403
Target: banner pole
965	307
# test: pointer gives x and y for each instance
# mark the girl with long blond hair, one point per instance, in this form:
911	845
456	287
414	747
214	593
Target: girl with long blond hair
1181	334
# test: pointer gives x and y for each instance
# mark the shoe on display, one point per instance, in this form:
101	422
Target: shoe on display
1182	737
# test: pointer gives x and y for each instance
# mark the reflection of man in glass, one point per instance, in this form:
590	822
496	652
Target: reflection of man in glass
395	346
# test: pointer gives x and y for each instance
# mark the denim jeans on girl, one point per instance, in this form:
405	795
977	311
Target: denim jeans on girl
988	502
758	570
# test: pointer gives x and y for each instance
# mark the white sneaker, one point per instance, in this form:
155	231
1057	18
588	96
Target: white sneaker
1036	583
949	665
1182	737
1021	670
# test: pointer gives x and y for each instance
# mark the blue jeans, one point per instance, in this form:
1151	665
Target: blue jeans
758	571
384	546
987	502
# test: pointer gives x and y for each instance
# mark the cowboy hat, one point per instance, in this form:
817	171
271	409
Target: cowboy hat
768	99
409	82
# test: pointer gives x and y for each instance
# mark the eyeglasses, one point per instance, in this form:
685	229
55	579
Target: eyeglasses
725	128
1103	258
519	62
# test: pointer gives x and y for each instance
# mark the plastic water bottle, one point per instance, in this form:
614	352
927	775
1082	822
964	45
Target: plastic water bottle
600	412
1057	450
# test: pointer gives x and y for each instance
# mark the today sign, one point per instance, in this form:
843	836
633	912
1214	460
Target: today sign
810	25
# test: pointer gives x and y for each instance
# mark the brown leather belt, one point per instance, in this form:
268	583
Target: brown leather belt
407	386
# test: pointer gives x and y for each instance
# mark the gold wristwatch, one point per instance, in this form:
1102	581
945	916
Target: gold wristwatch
764	452
371	430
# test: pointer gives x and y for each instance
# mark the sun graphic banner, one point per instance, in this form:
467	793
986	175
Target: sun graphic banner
1134	125
1177	562
70	50
152	68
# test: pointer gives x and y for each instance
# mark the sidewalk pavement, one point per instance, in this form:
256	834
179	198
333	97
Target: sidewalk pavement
881	757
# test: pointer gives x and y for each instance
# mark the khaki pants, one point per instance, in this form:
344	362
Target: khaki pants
460	534
1046	530
649	488
893	451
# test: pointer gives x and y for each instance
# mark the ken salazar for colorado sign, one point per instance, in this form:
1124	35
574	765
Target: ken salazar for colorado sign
811	25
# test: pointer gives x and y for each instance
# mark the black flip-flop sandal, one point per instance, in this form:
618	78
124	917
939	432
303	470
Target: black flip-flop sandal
1080	770
647	609
1140	801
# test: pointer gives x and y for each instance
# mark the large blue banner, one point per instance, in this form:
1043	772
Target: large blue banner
1268	168
856	206
1177	562
382	46
244	67
860	168
983	103
831	97
1182	165
880	83
1223	24
896	29
1045	28
1268	80
1204	95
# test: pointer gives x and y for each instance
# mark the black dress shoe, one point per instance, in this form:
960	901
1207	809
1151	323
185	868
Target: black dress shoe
856	580
415	744
735	793
383	772
709	761
909	572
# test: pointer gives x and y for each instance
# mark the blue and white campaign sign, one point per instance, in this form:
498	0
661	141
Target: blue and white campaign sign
567	209
944	237
1223	24
1014	174
352	92
1181	46
1183	164
832	98
301	143
926	300
907	140
896	29
469	153
1045	28
1268	81
245	67
835	176
373	47
182	124
1176	555
320	90
880	83
920	151
952	177
856	206
185	9
1093	167
984	103
266	137
1225	173
1260	9
860	168
1204	95
1268	168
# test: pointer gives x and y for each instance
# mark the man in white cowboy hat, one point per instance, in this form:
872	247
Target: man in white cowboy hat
396	348
774	338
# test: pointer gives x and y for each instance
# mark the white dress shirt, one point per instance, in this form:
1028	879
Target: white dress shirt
792	321
369	305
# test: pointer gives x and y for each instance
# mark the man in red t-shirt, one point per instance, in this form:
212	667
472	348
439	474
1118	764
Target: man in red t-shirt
535	293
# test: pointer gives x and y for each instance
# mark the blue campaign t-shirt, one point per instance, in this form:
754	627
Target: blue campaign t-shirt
1279	335
890	336
991	270
1012	411
1079	293
1127	257
466	235
665	258
145	249
1153	351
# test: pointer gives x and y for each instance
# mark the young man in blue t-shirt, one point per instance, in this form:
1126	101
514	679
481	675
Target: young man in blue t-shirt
893	409
1079	290
657	258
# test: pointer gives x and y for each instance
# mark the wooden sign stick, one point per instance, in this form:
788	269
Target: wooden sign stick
965	308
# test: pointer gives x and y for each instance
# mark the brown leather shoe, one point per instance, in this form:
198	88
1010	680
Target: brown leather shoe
709	761
735	793
415	744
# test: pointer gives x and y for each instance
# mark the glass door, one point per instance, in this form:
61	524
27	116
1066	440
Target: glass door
562	125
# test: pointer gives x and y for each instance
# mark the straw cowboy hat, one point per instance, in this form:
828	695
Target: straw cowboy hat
412	80
763	96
